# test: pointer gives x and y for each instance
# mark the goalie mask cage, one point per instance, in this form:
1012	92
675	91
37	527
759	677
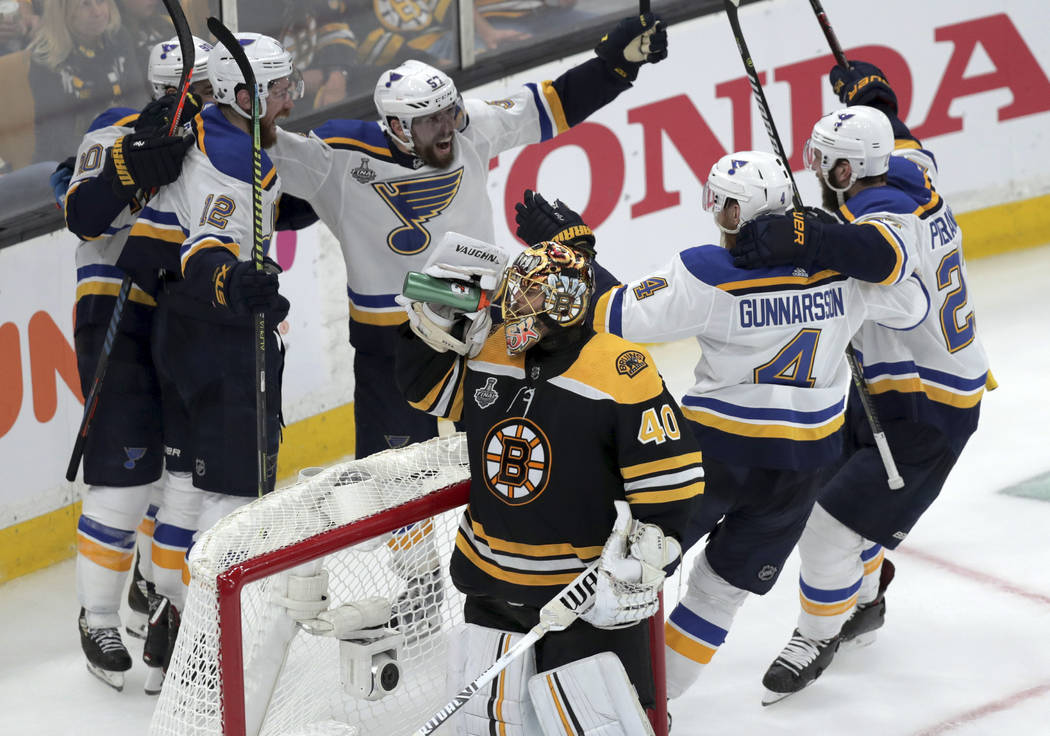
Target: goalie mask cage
381	526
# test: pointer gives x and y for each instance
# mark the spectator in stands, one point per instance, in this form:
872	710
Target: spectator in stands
147	24
498	23
17	23
82	64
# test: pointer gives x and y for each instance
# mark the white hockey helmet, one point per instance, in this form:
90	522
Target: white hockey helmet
165	64
756	180
416	90
862	135
269	61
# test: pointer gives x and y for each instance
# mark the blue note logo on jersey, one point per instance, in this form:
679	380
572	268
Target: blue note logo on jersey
416	202
134	455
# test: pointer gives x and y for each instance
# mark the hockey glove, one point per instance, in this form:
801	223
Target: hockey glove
539	220
445	328
156	116
792	239
630	576
863	84
634	41
244	290
142	161
60	179
461	258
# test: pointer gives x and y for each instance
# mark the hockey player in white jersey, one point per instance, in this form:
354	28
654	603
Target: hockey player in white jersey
124	155
201	227
390	189
926	383
769	400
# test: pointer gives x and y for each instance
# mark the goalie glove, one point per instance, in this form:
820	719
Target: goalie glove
634	41
462	258
445	328
539	220
630	576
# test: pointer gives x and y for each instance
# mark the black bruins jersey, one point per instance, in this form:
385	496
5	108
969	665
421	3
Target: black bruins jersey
554	438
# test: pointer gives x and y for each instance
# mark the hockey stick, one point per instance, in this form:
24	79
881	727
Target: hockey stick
829	34
189	52
643	7
227	39
893	478
557	615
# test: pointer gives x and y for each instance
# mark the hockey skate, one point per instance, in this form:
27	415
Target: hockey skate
107	657
417	611
860	628
138	601
800	663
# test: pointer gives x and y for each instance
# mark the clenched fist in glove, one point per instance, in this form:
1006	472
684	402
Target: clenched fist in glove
539	220
157	115
243	289
144	161
633	42
863	84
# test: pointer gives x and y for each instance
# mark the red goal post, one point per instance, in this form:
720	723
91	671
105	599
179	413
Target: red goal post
376	527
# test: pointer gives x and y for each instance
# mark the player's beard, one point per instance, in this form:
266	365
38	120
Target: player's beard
268	130
431	156
829	198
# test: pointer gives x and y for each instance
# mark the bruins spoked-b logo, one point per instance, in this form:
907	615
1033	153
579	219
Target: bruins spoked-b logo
517	461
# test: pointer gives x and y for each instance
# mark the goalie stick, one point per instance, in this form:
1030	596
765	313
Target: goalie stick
893	478
189	53
558	614
225	36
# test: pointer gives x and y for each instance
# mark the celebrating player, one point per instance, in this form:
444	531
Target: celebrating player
926	383
560	422
388	190
123	157
769	399
203	332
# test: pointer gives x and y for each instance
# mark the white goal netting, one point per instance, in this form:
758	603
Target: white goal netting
381	526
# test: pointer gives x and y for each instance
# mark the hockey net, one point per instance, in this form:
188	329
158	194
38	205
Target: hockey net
384	527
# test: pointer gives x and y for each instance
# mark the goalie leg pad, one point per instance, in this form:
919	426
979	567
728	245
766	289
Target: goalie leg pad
106	549
503	705
831	574
588	697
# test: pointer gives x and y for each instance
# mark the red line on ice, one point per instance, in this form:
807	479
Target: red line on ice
970	716
974	575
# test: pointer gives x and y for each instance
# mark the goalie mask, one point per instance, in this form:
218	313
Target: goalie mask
416	91
862	135
165	65
547	287
270	63
755	180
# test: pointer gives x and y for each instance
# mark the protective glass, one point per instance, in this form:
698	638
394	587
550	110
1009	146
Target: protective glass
710	200
429	126
811	156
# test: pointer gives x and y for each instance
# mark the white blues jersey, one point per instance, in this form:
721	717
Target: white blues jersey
937	372
98	278
210	205
386	208
772	379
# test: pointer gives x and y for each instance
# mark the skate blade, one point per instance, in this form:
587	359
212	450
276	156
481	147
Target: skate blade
114	679
154	680
858	642
769	697
136	625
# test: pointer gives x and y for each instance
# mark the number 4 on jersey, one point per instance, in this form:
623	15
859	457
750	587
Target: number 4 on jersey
793	365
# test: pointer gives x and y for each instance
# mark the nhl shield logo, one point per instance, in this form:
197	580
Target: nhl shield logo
363	173
199	467
767	573
486	395
630	363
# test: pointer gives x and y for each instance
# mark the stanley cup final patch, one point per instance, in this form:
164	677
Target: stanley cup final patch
630	363
486	395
